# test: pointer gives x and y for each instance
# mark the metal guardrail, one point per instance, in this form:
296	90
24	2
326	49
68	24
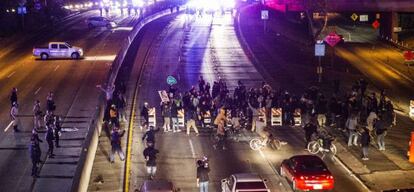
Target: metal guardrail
87	156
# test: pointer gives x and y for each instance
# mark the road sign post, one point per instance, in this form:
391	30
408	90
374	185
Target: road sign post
319	52
21	10
354	17
264	15
171	80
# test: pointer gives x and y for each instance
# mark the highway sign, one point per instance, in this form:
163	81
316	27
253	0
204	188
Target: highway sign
332	39
363	18
408	56
171	80
265	14
376	24
319	49
21	10
354	16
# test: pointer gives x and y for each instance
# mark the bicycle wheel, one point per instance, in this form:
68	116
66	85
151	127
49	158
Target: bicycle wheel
275	144
255	144
314	147
333	149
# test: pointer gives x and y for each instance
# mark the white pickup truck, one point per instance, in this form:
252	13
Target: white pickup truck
58	50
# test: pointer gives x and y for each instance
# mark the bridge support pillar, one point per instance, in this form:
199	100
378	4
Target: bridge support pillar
389	20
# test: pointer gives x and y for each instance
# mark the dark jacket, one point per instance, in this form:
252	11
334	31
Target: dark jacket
310	129
149	135
49	136
116	138
365	139
379	127
202	173
151	153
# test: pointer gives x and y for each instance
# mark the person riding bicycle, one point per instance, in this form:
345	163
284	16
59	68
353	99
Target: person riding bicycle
262	130
326	140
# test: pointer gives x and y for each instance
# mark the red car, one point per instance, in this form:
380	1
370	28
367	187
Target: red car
307	172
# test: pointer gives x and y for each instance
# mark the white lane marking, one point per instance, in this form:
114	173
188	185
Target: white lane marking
192	148
74	129
11	74
56	68
281	184
8	126
351	173
37	91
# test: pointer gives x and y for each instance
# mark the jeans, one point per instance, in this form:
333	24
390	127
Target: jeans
191	123
204	186
167	124
365	152
353	137
151	170
380	141
116	149
174	124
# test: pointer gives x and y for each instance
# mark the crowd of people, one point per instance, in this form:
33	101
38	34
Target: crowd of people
48	121
357	113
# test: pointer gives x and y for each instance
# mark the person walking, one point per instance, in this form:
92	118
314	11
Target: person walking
35	152
57	128
365	141
116	135
13	96
14	113
145	113
150	155
149	135
166	113
113	115
351	124
191	121
202	175
37	114
321	109
121	104
174	116
50	102
49	136
381	131
255	116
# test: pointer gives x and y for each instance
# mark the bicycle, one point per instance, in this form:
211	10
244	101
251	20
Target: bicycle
259	143
316	146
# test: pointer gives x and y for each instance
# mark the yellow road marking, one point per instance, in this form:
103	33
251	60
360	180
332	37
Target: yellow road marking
129	143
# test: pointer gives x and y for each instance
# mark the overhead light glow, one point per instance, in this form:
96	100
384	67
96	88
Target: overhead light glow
137	3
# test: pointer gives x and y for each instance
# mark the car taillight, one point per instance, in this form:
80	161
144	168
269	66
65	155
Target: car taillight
329	177
303	177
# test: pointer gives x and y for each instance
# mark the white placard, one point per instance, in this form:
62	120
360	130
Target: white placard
363	18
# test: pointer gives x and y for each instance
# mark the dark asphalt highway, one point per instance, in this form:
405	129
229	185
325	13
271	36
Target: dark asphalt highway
72	81
187	48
